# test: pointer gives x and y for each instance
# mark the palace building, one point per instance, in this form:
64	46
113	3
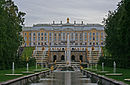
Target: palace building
61	42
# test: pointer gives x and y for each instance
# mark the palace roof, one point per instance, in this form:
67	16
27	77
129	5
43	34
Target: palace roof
64	27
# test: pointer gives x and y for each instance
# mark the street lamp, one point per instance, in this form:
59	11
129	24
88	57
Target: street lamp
92	55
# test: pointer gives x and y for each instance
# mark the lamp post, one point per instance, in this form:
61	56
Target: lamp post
92	55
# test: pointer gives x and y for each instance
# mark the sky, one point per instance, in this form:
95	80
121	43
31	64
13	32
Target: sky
47	11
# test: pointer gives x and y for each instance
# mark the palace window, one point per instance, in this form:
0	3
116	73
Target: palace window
25	34
97	43
45	43
34	34
55	36
42	34
90	43
97	38
45	38
38	34
90	36
30	34
34	43
59	36
93	38
81	36
25	44
50	38
76	43
101	33
38	38
50	34
33	38
38	43
93	43
101	43
96	33
101	37
76	36
42	43
29	38
64	36
30	44
93	34
41	38
45	34
25	38
85	36
71	36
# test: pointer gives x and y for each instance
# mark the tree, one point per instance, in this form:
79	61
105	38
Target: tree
117	28
11	21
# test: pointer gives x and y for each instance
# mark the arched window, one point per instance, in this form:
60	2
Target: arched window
62	58
73	58
54	58
81	58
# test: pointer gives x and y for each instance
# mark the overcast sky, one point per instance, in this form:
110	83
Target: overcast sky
46	11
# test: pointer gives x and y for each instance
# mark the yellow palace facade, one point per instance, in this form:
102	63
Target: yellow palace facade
85	41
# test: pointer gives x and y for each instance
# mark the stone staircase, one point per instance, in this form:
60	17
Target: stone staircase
41	56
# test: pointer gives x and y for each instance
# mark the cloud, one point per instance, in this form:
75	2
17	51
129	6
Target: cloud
45	11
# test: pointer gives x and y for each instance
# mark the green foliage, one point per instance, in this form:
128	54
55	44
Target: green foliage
117	28
11	21
27	53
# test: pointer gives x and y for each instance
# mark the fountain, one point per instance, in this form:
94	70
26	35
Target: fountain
68	51
103	71
27	69
96	67
13	74
102	66
13	68
114	71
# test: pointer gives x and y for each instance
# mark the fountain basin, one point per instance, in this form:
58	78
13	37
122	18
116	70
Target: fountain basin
13	74
28	72
38	70
102	71
114	74
127	79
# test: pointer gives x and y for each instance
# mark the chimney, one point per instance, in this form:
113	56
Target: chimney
74	22
82	22
60	22
53	22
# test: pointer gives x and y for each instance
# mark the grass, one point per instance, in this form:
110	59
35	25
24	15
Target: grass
126	73
3	77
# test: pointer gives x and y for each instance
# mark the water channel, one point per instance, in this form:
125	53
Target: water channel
63	76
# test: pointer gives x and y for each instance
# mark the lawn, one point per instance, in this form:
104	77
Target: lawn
3	77
126	73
